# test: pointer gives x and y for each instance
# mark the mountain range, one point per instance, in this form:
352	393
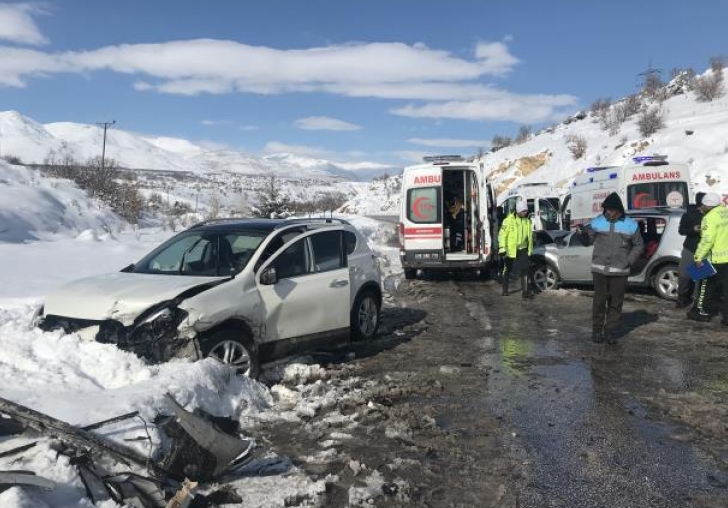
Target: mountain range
33	142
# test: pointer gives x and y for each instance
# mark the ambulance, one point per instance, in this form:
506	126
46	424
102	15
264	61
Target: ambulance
448	217
543	204
650	182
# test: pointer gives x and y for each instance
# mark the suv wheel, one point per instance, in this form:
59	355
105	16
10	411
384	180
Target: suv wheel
365	316
410	273
546	277
666	282
233	349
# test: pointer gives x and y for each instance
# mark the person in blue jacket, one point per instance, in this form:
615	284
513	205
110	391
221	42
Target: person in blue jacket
617	245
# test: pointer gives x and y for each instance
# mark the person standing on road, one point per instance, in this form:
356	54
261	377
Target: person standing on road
515	242
690	229
713	246
617	245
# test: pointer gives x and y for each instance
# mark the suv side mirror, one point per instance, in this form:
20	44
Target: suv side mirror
269	276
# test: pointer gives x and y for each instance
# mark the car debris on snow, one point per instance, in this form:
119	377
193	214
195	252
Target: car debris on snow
197	451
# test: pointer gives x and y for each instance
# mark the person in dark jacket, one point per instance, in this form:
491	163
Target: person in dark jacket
690	229
617	245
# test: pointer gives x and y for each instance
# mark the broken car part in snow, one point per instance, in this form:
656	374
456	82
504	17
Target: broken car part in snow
196	449
28	478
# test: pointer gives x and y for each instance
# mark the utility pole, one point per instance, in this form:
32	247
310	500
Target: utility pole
105	125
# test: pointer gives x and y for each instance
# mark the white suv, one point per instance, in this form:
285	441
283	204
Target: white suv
244	291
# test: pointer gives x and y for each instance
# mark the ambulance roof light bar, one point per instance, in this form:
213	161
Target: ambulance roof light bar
598	168
650	160
442	159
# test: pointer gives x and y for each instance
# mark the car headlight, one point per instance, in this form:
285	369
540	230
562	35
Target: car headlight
159	323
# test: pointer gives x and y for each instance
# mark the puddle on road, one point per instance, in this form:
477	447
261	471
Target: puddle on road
584	440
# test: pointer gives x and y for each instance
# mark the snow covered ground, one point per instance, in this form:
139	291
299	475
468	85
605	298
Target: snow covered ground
54	234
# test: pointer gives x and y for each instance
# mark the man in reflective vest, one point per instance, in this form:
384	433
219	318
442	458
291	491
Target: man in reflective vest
713	246
515	242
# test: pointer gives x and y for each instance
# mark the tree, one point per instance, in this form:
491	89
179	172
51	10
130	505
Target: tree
272	203
710	86
577	145
650	121
652	82
214	210
524	132
599	106
499	142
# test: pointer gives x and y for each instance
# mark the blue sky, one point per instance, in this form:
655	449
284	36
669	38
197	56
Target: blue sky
352	81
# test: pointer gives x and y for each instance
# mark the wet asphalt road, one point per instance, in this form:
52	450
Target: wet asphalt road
470	399
634	425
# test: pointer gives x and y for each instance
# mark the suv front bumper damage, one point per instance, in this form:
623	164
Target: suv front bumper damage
154	340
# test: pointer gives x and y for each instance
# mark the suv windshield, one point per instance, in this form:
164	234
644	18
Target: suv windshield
203	253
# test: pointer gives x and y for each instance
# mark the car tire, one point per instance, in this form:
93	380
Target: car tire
546	277
365	316
665	282
233	348
410	273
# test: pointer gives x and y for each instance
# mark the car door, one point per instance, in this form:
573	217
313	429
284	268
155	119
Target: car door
575	260
310	300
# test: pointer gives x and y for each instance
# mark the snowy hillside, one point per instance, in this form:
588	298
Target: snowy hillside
33	207
32	142
695	133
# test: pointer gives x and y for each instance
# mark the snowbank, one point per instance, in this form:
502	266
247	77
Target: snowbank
37	208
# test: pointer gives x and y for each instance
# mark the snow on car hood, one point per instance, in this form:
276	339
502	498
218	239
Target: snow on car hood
120	296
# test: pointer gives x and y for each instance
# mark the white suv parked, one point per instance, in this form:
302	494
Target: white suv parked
244	291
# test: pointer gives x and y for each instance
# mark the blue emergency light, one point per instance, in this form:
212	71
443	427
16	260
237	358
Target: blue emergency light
648	158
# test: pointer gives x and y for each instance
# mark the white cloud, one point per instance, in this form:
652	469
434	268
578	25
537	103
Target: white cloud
213	66
501	106
412	155
17	24
495	57
450	86
449	143
325	123
214	123
248	127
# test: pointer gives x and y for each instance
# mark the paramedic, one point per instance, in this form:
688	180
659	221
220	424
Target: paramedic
713	246
690	229
617	245
515	241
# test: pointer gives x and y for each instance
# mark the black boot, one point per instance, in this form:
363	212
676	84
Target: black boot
525	292
597	335
609	337
506	278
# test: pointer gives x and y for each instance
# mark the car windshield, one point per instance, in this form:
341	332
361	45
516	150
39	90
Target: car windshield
202	253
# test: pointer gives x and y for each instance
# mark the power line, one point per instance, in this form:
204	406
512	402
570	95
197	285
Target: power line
105	125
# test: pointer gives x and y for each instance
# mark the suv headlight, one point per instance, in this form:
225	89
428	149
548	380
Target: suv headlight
160	323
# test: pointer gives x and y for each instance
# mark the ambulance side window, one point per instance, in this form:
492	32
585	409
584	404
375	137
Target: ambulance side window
424	205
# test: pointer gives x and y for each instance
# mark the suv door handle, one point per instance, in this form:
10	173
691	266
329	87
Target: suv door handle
339	283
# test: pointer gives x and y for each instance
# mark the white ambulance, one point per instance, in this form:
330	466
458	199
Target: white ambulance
543	204
447	217
650	182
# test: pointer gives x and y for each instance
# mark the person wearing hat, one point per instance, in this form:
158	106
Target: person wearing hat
515	242
617	245
690	229
713	246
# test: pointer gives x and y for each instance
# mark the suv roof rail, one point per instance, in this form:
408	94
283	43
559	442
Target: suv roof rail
325	220
207	222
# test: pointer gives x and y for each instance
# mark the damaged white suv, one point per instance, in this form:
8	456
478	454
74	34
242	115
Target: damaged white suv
244	291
